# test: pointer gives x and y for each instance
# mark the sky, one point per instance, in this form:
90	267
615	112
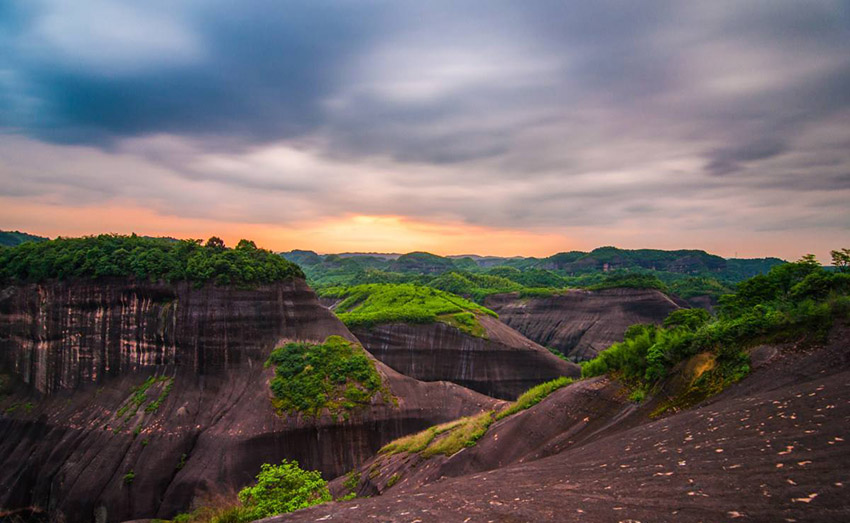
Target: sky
490	127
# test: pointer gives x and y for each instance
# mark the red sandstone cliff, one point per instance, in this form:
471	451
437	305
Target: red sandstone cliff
75	351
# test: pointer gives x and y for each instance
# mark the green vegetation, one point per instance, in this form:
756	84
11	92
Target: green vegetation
336	375
351	484
841	260
791	301
283	488
374	304
631	280
393	480
686	273
533	396
129	477
445	439
110	255
14	238
279	489
139	396
448	438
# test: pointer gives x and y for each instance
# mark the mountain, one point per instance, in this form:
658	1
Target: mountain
125	398
13	238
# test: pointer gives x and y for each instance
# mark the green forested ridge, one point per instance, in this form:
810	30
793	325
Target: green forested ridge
143	258
373	304
687	273
13	238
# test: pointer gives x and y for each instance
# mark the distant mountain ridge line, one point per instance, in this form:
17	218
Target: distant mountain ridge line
479	257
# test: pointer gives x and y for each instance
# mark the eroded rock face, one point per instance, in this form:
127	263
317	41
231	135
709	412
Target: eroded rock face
582	323
586	452
76	351
504	364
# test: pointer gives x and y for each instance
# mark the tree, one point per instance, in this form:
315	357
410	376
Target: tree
809	259
215	243
246	245
841	260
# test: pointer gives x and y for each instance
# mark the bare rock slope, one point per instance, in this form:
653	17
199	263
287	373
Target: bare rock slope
74	356
770	448
581	323
501	362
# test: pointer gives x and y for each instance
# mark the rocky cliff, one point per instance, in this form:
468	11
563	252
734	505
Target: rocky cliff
500	362
126	400
768	448
580	323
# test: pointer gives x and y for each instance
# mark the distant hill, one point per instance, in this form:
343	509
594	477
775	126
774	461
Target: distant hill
13	238
687	273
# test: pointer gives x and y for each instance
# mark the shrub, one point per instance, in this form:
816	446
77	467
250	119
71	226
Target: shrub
690	318
337	375
283	488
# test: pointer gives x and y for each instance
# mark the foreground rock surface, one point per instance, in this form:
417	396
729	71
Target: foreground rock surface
770	448
581	323
74	353
502	363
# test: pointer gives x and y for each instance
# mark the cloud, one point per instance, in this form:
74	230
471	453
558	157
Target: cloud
549	116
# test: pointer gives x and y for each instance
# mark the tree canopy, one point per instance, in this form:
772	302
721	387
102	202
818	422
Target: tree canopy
153	259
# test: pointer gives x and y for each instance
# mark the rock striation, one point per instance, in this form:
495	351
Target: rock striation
581	323
85	435
501	362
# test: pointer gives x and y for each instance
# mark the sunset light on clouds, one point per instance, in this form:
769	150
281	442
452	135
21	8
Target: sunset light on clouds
523	130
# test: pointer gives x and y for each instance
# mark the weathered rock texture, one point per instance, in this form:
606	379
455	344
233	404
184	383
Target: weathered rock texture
76	350
582	323
770	448
503	364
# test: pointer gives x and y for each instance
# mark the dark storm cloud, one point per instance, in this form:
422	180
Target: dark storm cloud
258	72
497	113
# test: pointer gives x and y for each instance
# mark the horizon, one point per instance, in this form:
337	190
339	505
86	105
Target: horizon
233	242
515	130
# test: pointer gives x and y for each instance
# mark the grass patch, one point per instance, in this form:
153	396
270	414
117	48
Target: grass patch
336	375
533	396
446	439
449	438
379	303
466	322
